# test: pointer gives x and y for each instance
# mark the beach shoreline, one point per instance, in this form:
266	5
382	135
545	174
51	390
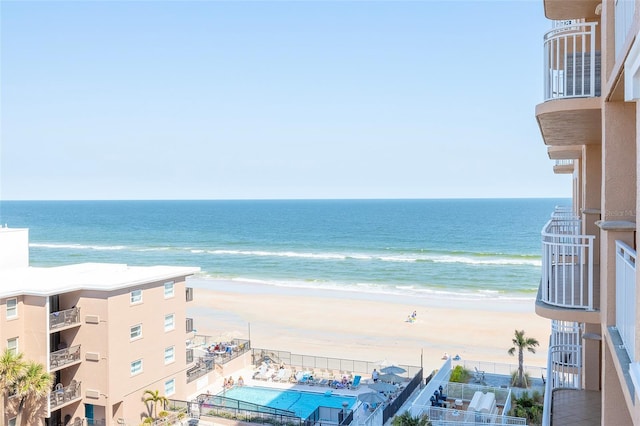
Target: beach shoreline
366	326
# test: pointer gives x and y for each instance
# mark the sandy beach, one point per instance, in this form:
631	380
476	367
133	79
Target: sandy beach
364	326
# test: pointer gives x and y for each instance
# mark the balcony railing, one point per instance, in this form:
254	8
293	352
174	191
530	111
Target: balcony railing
571	62
189	355
64	318
202	367
563	212
61	395
626	296
189	325
63	357
623	20
189	294
567	265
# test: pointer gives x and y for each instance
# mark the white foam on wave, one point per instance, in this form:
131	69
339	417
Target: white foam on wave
76	246
375	289
399	258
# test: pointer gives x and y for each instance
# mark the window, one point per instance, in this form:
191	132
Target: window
169	322
169	355
136	367
12	422
169	387
168	289
12	345
136	332
136	296
12	308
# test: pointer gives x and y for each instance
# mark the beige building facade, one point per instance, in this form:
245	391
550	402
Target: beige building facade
589	123
106	332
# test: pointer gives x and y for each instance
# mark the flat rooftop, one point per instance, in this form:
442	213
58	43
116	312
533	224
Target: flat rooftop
47	281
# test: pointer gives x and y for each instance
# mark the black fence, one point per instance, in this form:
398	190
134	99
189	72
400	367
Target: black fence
393	407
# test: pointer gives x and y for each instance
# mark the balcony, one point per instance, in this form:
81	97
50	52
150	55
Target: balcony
63	319
563	167
61	396
64	357
189	355
189	294
567	270
626	297
189	325
563	390
571	113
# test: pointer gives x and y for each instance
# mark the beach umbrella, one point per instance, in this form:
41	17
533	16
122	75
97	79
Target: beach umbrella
371	397
393	369
384	363
391	378
382	387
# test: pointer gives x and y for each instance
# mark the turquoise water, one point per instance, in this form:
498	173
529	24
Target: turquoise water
301	403
471	248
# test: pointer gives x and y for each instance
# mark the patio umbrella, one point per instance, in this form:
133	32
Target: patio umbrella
391	378
393	369
382	387
371	397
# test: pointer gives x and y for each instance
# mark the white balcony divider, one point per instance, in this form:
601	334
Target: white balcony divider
571	62
623	19
548	390
626	296
567	265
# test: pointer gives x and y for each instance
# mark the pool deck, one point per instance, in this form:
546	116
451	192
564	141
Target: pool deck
216	388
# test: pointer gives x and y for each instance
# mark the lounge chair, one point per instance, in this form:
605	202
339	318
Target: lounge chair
356	382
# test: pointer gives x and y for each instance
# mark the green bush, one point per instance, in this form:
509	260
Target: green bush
460	374
529	407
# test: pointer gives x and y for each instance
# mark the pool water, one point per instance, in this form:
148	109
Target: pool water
302	403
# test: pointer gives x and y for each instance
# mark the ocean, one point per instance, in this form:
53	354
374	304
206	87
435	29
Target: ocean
464	248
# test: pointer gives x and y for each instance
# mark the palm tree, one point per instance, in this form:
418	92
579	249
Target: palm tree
11	368
521	343
406	419
155	397
32	385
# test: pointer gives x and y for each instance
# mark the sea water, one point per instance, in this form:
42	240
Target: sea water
475	248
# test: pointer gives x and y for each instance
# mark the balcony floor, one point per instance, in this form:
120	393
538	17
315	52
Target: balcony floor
575	407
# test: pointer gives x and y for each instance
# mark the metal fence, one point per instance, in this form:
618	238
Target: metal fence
393	407
339	365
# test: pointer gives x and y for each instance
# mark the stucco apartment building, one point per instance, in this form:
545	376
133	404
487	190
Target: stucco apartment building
107	332
589	123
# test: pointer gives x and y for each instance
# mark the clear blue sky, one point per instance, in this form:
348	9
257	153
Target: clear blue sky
285	99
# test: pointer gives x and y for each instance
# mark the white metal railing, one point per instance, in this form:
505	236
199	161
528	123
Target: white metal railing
564	364
567	265
564	162
563	212
446	416
571	62
626	296
623	19
440	378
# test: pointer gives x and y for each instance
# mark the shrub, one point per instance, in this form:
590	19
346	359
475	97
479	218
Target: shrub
459	374
514	379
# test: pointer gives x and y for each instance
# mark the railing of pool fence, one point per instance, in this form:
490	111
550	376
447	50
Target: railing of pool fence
393	407
219	406
344	366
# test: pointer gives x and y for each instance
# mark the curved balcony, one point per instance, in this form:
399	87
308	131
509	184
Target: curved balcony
571	113
567	282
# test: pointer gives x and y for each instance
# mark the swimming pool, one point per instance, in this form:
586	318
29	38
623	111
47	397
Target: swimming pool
302	403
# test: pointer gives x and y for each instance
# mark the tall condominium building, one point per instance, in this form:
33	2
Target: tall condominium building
106	332
589	122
